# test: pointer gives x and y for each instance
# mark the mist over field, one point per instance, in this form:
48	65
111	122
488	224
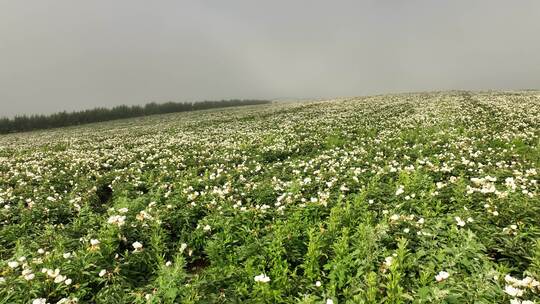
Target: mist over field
288	152
70	55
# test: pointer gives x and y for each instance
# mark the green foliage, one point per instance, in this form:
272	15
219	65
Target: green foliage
419	198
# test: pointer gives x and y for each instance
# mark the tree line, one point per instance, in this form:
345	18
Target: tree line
22	123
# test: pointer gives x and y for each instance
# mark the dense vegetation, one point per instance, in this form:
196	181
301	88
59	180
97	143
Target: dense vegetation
62	119
414	198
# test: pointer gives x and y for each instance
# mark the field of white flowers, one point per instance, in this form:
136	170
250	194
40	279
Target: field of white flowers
412	198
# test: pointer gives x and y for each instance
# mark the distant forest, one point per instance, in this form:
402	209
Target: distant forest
63	119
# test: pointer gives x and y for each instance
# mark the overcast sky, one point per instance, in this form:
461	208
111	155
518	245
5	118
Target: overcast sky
74	54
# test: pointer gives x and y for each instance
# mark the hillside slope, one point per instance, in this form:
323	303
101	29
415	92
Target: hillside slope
424	198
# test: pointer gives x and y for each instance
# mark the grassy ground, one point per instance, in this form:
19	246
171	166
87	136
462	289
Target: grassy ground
412	198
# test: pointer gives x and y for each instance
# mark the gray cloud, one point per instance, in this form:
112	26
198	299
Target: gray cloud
66	54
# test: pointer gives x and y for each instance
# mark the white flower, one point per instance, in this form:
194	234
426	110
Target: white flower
510	279
94	242
138	246
67	255
318	283
262	278
388	261
525	282
168	263
207	228
53	273
441	276
118	220
102	272
183	247
59	279
13	264
37	261
459	221
41	251
68	282
28	275
518	301
329	301
143	215
400	190
39	301
513	291
123	210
